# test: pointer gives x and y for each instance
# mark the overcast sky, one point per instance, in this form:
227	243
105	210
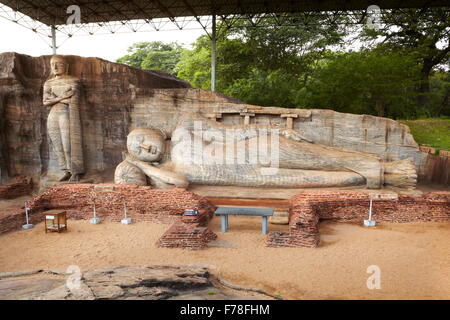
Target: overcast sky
16	38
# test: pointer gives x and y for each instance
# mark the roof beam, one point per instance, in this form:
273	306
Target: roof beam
121	10
38	8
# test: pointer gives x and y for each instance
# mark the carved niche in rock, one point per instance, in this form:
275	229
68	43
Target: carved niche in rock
62	94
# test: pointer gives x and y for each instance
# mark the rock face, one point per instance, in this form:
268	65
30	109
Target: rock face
18	186
122	283
118	99
109	94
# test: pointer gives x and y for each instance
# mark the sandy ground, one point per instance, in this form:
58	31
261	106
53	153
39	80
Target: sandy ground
414	258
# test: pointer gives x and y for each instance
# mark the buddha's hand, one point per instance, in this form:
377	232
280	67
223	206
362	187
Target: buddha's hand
293	135
166	176
66	96
68	93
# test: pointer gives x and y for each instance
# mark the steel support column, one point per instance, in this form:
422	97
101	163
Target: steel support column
54	39
213	54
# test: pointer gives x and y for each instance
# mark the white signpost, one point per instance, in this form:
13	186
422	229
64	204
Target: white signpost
391	196
370	222
126	220
378	196
94	220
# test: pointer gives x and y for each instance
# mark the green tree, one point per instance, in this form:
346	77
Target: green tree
440	97
153	56
371	81
263	65
300	61
266	88
233	61
291	42
425	34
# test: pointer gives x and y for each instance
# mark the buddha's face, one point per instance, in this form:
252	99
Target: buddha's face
146	145
59	66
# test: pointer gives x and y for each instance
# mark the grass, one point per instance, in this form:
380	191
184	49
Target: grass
433	132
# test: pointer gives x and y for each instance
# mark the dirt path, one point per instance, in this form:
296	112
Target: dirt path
414	258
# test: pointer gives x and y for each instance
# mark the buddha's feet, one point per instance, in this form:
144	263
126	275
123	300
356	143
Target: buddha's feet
401	173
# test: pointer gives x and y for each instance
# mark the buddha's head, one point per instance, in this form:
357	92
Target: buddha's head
146	144
59	65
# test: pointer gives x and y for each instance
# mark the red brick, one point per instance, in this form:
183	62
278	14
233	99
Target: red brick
308	207
18	186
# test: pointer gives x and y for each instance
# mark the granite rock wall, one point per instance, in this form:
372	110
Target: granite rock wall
108	94
17	186
117	98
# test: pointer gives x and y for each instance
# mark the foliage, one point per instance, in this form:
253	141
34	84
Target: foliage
440	93
266	88
234	60
153	56
263	65
401	70
293	46
425	34
371	82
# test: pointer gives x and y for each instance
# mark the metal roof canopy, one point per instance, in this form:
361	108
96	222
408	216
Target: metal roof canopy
41	15
53	12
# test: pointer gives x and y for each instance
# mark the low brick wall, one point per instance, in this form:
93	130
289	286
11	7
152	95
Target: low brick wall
307	208
13	218
190	232
18	186
143	204
186	236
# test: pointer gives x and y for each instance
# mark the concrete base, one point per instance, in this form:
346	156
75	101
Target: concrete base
369	223
94	220
126	221
27	226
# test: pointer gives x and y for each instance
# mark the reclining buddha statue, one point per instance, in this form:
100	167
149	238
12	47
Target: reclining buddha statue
204	151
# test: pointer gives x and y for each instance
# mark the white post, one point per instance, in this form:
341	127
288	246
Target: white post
95	220
28	225
26	211
370	222
126	220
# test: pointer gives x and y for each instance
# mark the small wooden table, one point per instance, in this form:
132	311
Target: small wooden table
55	220
224	212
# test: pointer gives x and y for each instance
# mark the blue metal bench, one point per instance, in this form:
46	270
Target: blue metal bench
224	212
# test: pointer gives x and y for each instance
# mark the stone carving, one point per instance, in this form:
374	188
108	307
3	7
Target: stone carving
300	162
146	148
62	93
117	99
152	282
